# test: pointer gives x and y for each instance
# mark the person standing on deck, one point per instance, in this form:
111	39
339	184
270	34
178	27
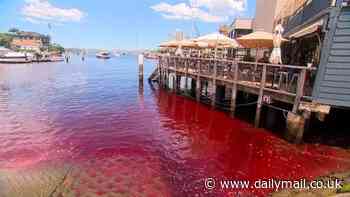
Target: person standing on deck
276	55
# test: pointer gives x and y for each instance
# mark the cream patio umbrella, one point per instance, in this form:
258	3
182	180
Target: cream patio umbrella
216	41
179	43
258	40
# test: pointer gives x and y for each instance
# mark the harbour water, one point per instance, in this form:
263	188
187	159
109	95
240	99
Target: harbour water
91	129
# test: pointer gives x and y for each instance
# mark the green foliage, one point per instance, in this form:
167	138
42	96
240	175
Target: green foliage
26	51
56	48
6	39
13	30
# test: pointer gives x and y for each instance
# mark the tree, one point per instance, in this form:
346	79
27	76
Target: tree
5	40
56	48
13	30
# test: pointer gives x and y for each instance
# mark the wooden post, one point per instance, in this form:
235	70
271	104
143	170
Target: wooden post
260	99
167	73
296	123
234	90
213	101
198	82
159	70
175	78
186	75
141	63
295	128
161	76
300	90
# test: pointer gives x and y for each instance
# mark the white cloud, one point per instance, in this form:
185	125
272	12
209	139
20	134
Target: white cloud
226	7
37	11
185	12
204	10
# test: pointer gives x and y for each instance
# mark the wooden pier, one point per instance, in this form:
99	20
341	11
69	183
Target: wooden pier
270	82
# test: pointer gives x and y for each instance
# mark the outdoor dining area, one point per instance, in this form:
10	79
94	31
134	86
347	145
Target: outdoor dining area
253	60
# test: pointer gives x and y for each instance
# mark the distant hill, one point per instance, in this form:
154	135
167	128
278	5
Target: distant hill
114	51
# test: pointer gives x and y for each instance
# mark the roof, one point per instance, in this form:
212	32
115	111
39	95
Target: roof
31	34
242	23
27	43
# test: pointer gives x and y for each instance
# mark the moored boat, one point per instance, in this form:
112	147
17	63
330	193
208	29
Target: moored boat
15	58
56	58
103	55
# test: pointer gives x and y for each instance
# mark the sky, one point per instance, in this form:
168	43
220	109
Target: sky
129	24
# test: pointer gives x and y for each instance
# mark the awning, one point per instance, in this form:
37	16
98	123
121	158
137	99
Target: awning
307	30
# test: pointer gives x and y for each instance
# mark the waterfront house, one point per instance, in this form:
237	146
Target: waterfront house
30	41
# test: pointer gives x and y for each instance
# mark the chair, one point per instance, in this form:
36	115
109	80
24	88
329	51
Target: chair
283	77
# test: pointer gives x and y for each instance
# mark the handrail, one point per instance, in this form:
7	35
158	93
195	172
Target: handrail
244	62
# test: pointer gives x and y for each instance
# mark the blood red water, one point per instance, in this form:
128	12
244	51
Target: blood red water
123	138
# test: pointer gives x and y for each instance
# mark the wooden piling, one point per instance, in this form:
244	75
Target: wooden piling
260	99
213	101
295	128
141	63
234	90
186	75
159	69
167	73
175	78
296	123
198	82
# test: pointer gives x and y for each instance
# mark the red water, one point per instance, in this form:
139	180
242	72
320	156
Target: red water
122	138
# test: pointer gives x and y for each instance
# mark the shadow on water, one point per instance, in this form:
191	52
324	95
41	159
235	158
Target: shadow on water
333	130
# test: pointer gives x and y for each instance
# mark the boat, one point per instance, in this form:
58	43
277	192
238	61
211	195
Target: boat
56	58
103	55
15	58
151	56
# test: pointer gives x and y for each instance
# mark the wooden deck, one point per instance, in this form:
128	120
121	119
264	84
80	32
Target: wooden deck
285	83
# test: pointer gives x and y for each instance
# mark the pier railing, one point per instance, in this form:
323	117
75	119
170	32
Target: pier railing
287	80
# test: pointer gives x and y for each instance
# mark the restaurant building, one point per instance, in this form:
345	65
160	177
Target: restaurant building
319	36
30	41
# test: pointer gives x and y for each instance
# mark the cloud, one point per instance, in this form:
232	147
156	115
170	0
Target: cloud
185	12
221	6
37	11
204	10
